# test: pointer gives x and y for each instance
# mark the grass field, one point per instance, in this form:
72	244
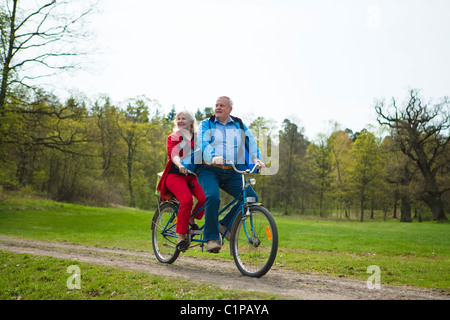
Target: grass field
415	254
42	278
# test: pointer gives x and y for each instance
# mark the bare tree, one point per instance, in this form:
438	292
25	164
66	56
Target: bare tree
420	129
38	39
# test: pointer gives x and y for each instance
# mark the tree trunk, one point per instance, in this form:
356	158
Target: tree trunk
130	185
405	209
432	195
394	216
362	204
8	58
437	207
372	208
321	204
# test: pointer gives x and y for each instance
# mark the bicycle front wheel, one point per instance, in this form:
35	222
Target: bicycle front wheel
164	237
254	242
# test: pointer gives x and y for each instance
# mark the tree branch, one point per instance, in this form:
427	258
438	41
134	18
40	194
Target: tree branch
33	14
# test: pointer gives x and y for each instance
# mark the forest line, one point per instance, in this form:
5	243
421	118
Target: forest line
99	153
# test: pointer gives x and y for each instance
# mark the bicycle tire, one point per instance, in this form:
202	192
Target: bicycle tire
255	255
164	237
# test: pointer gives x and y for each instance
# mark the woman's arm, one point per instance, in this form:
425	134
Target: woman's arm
173	151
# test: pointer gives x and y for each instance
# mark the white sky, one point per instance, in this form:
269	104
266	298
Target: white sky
309	61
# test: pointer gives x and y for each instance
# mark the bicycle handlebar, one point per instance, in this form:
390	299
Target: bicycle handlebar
190	172
248	171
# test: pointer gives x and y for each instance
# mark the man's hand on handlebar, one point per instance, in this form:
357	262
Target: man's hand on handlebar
218	160
259	163
221	161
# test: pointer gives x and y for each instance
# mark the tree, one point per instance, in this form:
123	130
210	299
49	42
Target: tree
106	116
171	115
199	115
50	145
318	158
400	175
420	130
292	151
366	166
340	145
208	112
38	34
134	129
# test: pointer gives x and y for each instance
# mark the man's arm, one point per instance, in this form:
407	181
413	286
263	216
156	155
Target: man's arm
204	141
253	148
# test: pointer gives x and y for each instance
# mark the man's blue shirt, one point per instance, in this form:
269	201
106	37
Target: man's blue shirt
229	141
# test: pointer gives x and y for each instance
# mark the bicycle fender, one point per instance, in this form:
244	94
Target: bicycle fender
255	204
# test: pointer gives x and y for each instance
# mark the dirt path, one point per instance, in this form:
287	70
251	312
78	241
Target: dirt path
289	284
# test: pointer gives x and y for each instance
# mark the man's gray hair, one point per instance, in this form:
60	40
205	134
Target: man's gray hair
230	102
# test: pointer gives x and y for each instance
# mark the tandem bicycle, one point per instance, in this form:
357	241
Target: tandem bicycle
253	232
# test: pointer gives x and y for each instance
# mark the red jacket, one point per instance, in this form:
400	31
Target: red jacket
173	148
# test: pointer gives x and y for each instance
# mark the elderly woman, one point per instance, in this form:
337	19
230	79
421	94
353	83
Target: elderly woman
177	181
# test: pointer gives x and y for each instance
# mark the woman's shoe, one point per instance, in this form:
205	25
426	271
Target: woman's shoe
183	245
194	226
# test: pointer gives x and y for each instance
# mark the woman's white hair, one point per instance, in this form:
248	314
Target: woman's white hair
191	118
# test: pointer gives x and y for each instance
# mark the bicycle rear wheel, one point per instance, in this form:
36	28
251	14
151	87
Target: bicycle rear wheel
164	237
254	242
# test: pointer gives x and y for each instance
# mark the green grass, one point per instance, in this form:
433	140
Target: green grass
27	277
50	220
414	254
419	239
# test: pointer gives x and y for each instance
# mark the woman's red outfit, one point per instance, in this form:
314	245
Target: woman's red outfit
180	185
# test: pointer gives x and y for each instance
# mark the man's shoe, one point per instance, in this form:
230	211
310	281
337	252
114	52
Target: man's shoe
213	246
223	229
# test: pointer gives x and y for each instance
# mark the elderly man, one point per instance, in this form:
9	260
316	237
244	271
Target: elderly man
223	137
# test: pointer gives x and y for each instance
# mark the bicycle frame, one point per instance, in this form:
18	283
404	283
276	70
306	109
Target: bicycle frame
243	209
254	239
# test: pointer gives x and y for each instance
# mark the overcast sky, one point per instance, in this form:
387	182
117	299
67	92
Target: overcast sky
309	61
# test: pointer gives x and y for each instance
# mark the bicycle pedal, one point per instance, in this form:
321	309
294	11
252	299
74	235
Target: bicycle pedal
182	249
195	231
